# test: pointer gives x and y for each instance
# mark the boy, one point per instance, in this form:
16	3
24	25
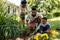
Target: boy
23	11
43	29
44	26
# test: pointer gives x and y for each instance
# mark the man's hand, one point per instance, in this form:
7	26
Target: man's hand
27	22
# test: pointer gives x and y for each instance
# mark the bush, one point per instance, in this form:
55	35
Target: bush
9	27
57	14
47	16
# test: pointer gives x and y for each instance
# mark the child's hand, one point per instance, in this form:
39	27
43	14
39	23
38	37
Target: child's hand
47	30
41	32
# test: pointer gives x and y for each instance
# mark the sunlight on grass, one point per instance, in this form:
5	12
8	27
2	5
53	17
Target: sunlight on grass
56	39
53	19
55	22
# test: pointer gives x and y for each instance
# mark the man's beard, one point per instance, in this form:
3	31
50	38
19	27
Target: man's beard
34	15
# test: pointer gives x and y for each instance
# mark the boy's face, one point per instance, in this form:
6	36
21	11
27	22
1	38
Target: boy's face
43	21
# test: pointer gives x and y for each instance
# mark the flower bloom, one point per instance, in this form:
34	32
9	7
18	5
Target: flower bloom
41	35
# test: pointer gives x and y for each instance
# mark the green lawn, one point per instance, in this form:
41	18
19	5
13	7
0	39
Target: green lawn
55	22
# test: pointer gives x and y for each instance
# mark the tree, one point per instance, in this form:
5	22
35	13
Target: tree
46	6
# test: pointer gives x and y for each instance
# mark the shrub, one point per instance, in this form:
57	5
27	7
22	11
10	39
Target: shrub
56	14
47	16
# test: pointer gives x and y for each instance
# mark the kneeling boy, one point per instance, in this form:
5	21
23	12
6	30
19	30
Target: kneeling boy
44	26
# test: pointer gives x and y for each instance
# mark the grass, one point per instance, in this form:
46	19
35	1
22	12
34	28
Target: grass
55	22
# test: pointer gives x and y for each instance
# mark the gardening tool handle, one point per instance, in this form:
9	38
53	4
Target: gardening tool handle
31	34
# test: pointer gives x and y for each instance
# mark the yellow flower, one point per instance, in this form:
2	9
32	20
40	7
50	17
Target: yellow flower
52	31
36	36
45	34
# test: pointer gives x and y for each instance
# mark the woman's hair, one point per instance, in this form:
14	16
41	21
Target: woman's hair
23	2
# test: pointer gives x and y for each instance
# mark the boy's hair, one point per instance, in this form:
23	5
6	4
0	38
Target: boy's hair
44	18
33	8
23	2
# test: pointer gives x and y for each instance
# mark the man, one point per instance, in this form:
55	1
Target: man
33	18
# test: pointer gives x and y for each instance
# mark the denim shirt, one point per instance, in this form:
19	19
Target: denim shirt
43	27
